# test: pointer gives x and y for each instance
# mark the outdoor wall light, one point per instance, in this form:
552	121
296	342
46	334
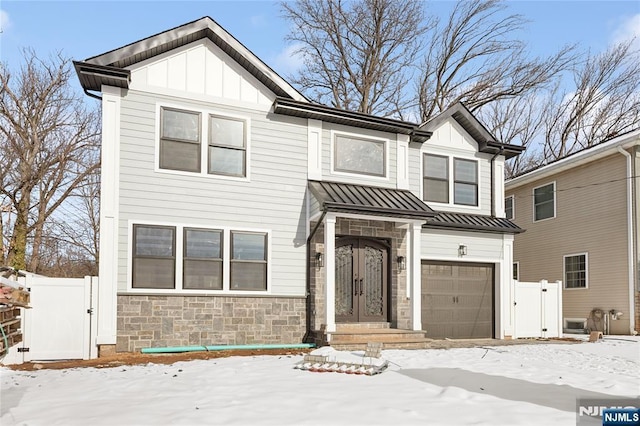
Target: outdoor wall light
402	263
462	250
319	260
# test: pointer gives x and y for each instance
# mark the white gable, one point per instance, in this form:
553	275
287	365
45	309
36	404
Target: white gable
449	135
201	69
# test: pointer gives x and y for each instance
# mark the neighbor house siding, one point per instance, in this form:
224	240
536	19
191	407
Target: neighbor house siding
277	143
590	218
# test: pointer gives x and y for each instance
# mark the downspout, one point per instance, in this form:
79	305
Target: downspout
630	259
493	178
308	307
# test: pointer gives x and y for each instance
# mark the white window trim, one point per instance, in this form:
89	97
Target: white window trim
586	267
204	141
386	142
533	203
179	256
450	163
513	207
517	264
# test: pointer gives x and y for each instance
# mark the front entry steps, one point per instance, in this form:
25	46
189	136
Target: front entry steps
355	336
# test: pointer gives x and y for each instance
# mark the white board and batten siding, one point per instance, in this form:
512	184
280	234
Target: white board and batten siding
270	199
451	140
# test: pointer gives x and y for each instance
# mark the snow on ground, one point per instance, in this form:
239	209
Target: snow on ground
494	385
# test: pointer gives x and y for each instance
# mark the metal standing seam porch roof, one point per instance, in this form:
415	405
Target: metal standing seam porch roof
372	200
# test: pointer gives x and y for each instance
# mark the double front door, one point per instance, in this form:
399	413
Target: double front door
361	280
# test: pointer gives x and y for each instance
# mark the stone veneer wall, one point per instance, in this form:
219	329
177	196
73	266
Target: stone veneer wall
160	321
637	325
398	302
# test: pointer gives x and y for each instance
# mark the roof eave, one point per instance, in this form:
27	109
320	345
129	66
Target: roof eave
93	77
334	115
458	227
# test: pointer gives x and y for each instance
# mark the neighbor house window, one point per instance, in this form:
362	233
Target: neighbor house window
202	265
509	207
248	261
358	155
179	140
436	178
154	260
227	146
544	202
575	271
516	271
465	182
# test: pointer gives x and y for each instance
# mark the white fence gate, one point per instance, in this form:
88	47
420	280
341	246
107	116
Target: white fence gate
537	309
61	323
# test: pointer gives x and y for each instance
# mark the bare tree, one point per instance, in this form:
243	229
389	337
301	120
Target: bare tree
48	147
603	102
358	55
473	57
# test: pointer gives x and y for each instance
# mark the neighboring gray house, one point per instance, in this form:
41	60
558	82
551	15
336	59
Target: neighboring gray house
227	196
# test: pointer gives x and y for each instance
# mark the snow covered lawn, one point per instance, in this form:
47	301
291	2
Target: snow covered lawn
498	385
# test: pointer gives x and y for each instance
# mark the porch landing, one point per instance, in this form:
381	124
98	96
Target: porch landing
356	336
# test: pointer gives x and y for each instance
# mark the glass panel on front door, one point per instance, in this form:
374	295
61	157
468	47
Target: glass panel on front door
361	280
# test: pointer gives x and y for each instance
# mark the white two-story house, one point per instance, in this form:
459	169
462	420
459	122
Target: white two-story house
234	210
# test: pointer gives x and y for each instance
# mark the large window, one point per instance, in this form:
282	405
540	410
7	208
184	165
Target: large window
248	261
185	258
154	261
438	187
227	146
509	207
544	202
576	271
202	259
357	155
183	134
179	140
465	185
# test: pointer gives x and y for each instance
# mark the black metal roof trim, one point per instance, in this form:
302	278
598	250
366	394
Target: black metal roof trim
471	222
369	200
350	118
485	140
92	76
182	35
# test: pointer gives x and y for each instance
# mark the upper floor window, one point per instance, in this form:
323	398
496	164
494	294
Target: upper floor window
436	178
358	155
438	187
179	140
509	207
181	143
544	202
465	186
575	271
227	146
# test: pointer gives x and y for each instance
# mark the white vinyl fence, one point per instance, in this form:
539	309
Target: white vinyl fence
537	309
62	320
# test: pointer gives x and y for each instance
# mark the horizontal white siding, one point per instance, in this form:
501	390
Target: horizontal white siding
273	199
443	245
